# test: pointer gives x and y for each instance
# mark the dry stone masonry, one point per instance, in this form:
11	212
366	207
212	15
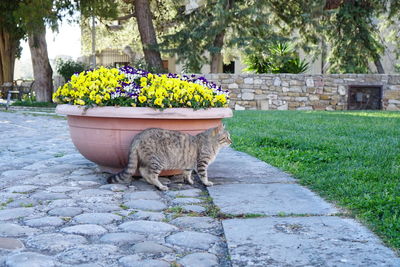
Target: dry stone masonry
303	92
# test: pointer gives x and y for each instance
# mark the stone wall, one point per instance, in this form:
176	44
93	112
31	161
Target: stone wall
303	92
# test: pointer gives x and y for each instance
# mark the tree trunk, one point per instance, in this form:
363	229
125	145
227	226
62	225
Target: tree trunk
42	72
8	48
216	58
147	34
333	4
379	66
323	56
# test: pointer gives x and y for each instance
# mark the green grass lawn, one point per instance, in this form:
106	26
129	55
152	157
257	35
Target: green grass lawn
350	158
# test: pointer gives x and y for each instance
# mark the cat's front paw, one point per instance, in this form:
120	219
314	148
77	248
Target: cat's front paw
163	188
208	183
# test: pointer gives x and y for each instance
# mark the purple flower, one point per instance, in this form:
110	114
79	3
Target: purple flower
131	86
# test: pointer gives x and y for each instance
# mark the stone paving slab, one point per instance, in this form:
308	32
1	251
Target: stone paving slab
245	185
268	199
232	166
10	243
305	241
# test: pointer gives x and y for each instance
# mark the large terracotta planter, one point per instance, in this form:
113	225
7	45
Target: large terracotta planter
103	134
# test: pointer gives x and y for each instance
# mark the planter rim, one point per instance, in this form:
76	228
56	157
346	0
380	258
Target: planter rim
144	113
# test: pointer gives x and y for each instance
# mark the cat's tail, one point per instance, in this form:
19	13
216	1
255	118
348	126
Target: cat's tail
125	175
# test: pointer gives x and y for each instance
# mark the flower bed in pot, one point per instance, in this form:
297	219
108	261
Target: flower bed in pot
107	107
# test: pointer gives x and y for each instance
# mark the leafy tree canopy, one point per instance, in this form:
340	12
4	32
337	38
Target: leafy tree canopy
33	14
350	30
244	23
111	36
10	23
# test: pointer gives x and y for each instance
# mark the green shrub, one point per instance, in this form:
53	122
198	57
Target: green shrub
278	58
68	67
397	68
30	103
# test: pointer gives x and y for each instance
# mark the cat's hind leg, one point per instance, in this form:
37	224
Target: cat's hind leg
151	176
187	176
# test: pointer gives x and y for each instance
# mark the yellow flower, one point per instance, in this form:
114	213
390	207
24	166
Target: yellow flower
159	102
98	99
142	98
99	85
160	93
221	98
79	102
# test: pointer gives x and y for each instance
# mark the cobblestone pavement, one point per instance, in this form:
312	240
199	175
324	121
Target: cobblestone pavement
57	210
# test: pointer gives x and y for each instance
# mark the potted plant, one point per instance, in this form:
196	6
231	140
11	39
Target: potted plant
106	107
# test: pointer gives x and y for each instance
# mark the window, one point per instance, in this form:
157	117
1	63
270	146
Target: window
229	68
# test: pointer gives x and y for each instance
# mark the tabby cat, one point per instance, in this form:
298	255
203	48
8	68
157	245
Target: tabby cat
156	149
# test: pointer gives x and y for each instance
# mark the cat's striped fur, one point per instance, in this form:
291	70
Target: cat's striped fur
154	150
